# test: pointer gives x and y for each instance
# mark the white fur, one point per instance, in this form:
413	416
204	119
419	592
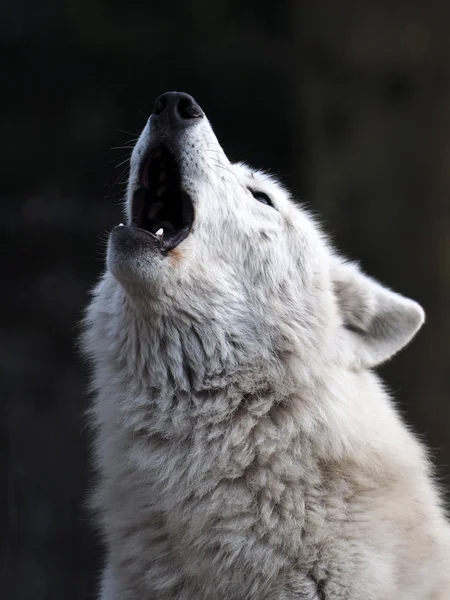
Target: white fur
245	449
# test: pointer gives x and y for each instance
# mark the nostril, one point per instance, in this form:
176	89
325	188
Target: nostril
160	105
188	108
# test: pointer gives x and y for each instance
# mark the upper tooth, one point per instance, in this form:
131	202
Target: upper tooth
120	224
160	232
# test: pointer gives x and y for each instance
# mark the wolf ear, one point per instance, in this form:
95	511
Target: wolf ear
380	321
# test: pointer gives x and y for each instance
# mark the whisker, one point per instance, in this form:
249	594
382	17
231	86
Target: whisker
212	184
113	195
128	132
107	281
114	160
214	144
119	180
216	152
122	163
217	164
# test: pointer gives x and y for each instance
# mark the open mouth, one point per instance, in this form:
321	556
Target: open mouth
160	206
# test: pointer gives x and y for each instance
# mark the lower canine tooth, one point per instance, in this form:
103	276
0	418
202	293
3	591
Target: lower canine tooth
160	232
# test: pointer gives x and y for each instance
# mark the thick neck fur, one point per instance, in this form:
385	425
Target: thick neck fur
176	376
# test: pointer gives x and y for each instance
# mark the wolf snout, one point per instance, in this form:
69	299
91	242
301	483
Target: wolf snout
176	110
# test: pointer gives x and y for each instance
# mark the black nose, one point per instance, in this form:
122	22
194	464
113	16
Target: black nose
176	109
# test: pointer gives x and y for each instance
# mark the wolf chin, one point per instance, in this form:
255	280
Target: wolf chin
245	448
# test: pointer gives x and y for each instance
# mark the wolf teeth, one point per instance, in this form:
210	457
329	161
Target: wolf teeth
159	232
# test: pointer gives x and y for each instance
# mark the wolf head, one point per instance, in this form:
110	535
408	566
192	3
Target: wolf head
217	260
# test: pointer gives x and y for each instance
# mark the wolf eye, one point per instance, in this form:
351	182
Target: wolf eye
261	197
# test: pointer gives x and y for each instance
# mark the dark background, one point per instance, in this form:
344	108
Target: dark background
349	102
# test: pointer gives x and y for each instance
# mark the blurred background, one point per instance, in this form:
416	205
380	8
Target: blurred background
349	102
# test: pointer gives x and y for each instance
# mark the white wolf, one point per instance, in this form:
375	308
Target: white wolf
245	448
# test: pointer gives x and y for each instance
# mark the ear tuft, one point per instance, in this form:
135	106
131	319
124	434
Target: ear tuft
381	321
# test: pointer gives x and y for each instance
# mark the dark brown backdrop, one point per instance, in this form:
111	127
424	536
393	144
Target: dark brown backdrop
349	102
